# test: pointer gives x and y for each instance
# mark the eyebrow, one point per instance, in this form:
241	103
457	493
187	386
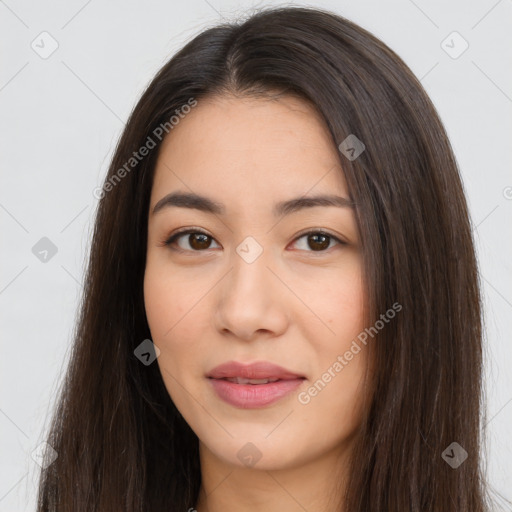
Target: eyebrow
205	204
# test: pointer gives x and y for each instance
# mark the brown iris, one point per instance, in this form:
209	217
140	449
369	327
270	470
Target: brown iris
199	241
318	241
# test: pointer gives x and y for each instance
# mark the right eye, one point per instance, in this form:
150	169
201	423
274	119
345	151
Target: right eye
197	240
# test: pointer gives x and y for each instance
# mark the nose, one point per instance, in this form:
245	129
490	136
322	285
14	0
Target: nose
252	301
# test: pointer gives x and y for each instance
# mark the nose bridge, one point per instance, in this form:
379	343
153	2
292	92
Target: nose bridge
250	277
248	299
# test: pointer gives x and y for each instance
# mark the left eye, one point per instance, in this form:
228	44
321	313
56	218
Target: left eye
319	241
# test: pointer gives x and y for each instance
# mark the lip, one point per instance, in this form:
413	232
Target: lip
252	396
257	370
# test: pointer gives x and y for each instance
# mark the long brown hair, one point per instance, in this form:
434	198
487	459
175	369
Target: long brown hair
121	442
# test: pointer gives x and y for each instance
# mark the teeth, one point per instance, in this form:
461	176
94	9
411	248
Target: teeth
241	380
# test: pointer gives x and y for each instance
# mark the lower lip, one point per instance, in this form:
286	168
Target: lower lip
252	396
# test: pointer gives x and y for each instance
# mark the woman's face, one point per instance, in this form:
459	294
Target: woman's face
249	286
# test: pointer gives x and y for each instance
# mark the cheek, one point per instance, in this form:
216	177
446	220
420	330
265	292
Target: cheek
173	313
154	299
165	302
337	299
341	308
163	312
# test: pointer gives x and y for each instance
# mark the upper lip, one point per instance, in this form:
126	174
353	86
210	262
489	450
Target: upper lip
257	370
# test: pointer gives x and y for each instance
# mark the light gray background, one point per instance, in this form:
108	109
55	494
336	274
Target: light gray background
60	118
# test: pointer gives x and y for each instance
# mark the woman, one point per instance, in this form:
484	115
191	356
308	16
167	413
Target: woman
282	307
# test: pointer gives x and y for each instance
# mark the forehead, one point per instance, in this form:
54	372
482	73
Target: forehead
256	147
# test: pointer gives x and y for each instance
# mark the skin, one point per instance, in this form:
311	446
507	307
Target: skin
295	306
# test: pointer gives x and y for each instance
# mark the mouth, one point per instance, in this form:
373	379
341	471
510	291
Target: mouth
253	386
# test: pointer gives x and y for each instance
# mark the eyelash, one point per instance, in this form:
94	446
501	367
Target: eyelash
188	231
